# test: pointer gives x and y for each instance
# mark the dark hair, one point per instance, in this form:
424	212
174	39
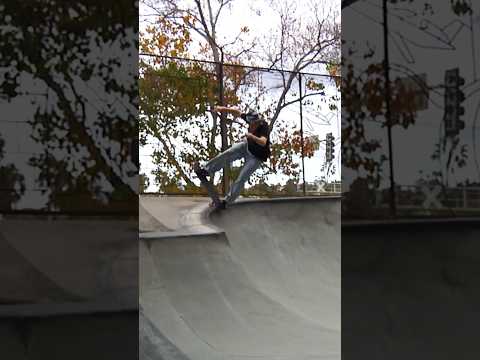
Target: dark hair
254	124
252	116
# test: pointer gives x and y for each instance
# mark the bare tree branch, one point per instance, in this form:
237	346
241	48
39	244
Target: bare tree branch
301	44
167	145
222	5
301	99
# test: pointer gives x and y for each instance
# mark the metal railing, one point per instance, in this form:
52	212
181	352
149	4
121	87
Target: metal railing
436	197
412	201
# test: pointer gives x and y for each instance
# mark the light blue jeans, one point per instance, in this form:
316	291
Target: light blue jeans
235	152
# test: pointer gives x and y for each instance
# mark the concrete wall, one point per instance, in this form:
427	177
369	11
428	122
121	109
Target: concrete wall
411	291
108	336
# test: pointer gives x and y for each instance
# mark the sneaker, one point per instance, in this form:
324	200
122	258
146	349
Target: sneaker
221	206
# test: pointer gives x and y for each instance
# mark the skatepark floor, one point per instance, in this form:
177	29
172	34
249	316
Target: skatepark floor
262	283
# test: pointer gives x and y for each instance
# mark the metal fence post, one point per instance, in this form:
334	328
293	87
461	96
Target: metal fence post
223	125
301	132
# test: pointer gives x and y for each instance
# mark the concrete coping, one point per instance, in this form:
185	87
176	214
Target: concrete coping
247	201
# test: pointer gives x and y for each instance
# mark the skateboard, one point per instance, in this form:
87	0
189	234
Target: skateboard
212	192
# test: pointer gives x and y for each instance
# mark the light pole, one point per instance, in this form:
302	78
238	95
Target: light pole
301	132
223	125
388	115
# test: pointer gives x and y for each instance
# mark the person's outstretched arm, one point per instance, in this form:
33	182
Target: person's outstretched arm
230	110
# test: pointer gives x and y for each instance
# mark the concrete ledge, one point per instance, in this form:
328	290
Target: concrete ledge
422	221
188	232
69	308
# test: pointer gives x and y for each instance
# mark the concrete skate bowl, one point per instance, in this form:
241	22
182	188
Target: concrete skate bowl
266	285
69	287
22	283
69	260
411	289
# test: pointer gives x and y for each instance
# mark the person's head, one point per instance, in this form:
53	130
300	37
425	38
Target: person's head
252	116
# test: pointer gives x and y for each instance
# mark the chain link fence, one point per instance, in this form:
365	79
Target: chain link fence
178	128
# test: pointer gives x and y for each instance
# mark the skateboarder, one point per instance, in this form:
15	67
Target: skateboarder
254	149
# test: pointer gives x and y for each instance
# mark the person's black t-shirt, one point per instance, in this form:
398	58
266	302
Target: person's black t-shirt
258	128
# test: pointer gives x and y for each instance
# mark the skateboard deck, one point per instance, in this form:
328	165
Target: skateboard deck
212	192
